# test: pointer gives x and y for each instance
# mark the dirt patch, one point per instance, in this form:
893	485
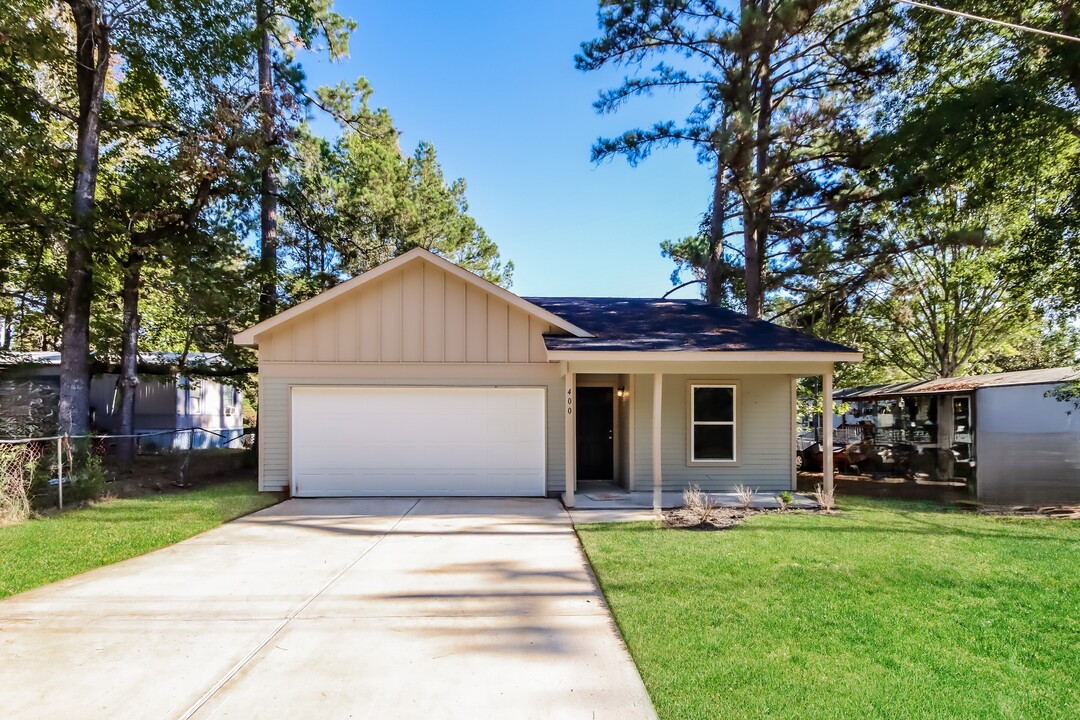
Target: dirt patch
168	473
1061	512
881	486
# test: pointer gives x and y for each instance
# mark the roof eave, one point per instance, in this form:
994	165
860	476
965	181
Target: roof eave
677	356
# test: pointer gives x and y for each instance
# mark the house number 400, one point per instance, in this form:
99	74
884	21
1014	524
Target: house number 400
569	402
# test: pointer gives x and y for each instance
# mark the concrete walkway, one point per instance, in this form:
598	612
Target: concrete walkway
381	608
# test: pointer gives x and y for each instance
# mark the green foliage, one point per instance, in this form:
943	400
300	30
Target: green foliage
998	112
356	201
780	90
178	176
1067	392
88	479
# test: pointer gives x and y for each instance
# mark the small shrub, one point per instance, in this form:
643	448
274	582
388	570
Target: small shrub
825	498
745	496
88	479
786	499
699	504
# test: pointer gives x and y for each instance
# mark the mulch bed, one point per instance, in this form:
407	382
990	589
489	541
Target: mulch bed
721	518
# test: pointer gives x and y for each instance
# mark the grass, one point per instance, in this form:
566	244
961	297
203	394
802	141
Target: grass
886	610
45	550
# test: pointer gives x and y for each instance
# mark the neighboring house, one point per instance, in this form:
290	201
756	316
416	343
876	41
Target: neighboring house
1002	431
420	378
209	413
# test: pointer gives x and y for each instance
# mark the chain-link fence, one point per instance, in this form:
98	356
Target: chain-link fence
18	464
46	471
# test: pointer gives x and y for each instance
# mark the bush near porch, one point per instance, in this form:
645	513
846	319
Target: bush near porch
889	609
44	550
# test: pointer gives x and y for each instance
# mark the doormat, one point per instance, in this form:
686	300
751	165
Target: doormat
606	496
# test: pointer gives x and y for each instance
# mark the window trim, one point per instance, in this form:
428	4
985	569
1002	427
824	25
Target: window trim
692	423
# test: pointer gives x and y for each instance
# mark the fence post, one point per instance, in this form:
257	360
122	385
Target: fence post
60	471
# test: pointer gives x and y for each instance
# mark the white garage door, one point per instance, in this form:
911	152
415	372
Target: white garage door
417	441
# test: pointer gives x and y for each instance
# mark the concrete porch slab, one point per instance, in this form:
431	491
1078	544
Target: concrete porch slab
609	499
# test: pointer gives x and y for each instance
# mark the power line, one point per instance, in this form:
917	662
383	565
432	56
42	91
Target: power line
979	18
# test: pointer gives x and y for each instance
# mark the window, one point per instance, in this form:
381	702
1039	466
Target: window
195	398
712	423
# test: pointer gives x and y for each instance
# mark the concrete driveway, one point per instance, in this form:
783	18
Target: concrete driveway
339	608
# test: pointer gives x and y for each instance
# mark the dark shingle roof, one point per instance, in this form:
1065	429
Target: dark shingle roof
651	325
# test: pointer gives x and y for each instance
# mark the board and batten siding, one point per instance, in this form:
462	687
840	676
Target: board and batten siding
417	314
763	434
417	326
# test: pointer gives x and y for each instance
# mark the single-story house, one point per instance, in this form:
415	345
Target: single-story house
171	411
420	378
1003	432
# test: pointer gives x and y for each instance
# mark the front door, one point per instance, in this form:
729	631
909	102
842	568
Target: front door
596	433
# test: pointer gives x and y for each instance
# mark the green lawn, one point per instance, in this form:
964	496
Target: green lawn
887	610
42	551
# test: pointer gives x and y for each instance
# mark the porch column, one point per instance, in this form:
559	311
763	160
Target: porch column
657	474
570	415
827	430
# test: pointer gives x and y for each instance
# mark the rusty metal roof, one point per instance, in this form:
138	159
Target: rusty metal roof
1044	376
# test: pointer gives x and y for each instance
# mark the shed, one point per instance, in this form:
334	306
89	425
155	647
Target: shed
1005	431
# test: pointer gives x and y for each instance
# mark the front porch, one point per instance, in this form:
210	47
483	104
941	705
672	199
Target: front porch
637	433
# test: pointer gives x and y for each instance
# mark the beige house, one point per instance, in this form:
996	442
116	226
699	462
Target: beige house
420	378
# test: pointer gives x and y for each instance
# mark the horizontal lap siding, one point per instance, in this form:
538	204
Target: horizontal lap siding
276	379
273	433
765	452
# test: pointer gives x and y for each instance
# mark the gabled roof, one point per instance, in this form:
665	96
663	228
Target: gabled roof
1043	376
248	336
654	325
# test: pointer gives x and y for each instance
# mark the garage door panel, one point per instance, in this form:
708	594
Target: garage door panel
418	441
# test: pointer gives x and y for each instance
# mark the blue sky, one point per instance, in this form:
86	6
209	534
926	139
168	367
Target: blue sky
493	86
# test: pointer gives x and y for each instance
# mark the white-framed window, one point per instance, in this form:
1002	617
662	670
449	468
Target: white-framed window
195	398
712	423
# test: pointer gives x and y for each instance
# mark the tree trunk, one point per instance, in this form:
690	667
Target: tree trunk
268	239
128	382
5	341
91	67
1069	52
753	262
757	239
715	275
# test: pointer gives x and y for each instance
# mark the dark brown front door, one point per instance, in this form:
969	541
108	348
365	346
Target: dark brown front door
595	433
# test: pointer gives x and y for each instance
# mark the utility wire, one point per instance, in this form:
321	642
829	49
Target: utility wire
979	18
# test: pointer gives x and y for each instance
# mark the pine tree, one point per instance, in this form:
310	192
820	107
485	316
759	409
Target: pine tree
780	86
